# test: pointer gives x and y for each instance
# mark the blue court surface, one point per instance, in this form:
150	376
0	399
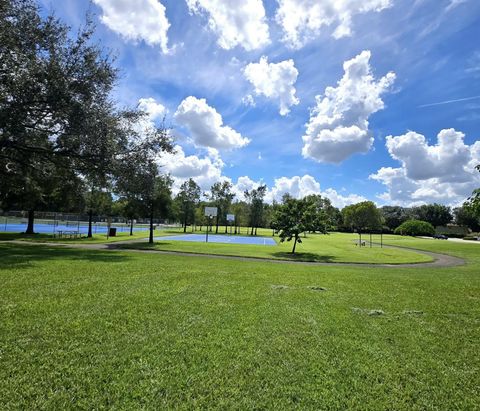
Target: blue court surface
215	238
50	229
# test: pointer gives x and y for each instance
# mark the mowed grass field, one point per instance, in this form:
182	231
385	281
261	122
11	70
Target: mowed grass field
90	329
331	248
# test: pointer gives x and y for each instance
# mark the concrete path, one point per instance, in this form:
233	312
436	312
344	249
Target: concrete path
439	260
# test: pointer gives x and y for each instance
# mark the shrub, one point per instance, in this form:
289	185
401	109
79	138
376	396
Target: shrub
415	227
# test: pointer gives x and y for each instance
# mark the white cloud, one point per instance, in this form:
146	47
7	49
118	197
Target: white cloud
446	160
206	125
244	183
275	81
235	22
296	186
341	201
302	20
137	20
299	187
338	125
154	109
248	100
204	170
443	172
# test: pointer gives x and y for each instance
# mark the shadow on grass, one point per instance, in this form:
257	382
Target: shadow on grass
22	236
23	256
304	257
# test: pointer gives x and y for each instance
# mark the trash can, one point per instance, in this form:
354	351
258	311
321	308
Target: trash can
112	232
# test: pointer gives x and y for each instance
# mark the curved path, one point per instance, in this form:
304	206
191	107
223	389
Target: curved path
439	260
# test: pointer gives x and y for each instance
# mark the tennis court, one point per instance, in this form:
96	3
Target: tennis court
215	238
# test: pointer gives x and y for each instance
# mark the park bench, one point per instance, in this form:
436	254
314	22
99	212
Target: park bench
67	234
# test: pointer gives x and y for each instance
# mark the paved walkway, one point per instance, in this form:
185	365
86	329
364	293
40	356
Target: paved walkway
439	260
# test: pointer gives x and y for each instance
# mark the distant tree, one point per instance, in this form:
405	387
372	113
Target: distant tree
254	199
362	217
435	214
394	216
415	228
293	217
200	219
221	196
473	202
187	200
137	178
240	209
324	211
151	191
97	202
465	216
127	208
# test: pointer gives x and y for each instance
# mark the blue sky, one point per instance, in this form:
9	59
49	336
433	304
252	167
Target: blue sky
397	115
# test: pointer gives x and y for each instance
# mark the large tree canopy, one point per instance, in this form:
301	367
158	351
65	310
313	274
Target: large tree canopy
58	125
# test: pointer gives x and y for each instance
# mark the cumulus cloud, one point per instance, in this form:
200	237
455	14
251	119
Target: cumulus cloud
341	201
296	186
443	172
137	20
150	106
206	125
338	125
244	183
275	81
299	187
302	20
236	23
204	170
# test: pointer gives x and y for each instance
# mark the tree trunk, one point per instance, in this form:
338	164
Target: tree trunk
360	241
295	243
131	226
216	226
255	230
235	231
31	218
90	218
185	223
150	239
226	227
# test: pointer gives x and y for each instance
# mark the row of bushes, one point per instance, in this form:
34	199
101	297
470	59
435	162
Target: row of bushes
419	228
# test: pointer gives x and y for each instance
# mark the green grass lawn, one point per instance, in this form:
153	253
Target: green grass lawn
333	248
89	329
